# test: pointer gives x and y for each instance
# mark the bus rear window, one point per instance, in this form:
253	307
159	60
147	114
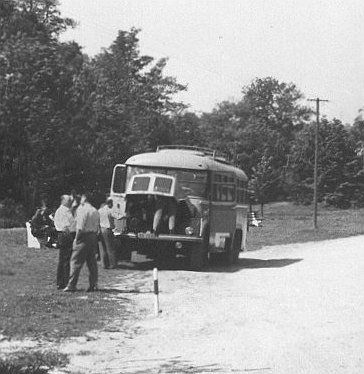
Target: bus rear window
163	185
189	182
140	184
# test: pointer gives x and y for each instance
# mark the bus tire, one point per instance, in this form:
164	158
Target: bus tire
234	248
197	256
124	250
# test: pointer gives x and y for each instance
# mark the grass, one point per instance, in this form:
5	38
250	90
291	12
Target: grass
285	223
31	306
32	362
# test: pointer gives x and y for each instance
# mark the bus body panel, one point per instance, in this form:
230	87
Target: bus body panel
214	189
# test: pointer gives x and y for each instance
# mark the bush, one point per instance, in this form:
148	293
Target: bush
32	362
11	214
9	368
338	200
345	196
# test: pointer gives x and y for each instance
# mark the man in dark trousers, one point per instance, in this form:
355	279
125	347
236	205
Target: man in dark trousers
66	228
85	244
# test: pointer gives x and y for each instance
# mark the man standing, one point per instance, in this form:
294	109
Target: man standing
107	248
66	227
85	244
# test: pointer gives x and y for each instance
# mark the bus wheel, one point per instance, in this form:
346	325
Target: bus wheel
124	251
234	248
197	256
125	254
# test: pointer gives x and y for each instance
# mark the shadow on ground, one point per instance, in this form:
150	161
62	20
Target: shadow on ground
119	291
176	365
180	263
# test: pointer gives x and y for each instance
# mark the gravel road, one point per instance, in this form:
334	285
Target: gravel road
284	309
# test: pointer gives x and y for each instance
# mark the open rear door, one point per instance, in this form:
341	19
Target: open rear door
118	179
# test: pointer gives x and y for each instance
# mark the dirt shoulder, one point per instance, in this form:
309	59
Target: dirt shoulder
285	309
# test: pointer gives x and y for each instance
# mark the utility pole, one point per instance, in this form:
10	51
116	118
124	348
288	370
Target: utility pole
315	172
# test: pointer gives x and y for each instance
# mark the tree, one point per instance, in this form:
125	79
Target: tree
65	120
125	103
276	105
36	78
184	129
261	125
339	181
263	181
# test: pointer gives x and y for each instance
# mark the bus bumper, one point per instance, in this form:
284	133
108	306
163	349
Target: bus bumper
160	238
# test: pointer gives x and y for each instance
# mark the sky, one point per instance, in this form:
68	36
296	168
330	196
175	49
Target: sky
216	47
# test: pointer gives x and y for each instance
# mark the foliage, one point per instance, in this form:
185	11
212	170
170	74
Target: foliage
263	181
11	214
258	128
124	101
184	129
340	179
36	77
32	362
66	120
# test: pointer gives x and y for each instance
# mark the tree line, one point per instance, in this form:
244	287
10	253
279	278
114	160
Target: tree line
67	118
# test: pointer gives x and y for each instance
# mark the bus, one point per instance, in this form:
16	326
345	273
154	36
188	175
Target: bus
180	200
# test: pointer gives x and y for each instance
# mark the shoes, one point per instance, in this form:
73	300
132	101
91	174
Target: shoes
70	289
92	289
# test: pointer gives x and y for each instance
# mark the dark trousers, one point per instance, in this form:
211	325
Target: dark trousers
84	251
107	248
64	244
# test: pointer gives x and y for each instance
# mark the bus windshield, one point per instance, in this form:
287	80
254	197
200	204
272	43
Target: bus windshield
189	182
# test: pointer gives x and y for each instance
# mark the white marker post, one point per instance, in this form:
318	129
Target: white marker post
156	292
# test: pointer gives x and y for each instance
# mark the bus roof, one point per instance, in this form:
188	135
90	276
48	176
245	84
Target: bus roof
184	159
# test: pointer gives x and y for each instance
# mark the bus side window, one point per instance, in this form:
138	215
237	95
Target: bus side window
242	191
118	179
223	188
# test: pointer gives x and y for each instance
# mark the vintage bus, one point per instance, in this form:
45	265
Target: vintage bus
201	199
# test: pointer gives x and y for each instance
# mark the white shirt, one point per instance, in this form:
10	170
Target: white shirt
106	218
87	218
64	220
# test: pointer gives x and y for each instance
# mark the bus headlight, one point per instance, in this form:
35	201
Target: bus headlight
189	230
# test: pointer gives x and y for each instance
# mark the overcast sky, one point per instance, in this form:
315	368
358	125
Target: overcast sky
218	46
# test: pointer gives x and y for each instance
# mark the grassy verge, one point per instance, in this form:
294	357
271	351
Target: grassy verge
30	305
286	223
32	362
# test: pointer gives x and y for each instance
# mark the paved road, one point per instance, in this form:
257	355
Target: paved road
285	309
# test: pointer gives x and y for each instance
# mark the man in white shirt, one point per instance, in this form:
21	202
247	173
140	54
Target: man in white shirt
107	247
85	244
65	225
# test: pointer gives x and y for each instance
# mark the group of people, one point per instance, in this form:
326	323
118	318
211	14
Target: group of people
82	232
